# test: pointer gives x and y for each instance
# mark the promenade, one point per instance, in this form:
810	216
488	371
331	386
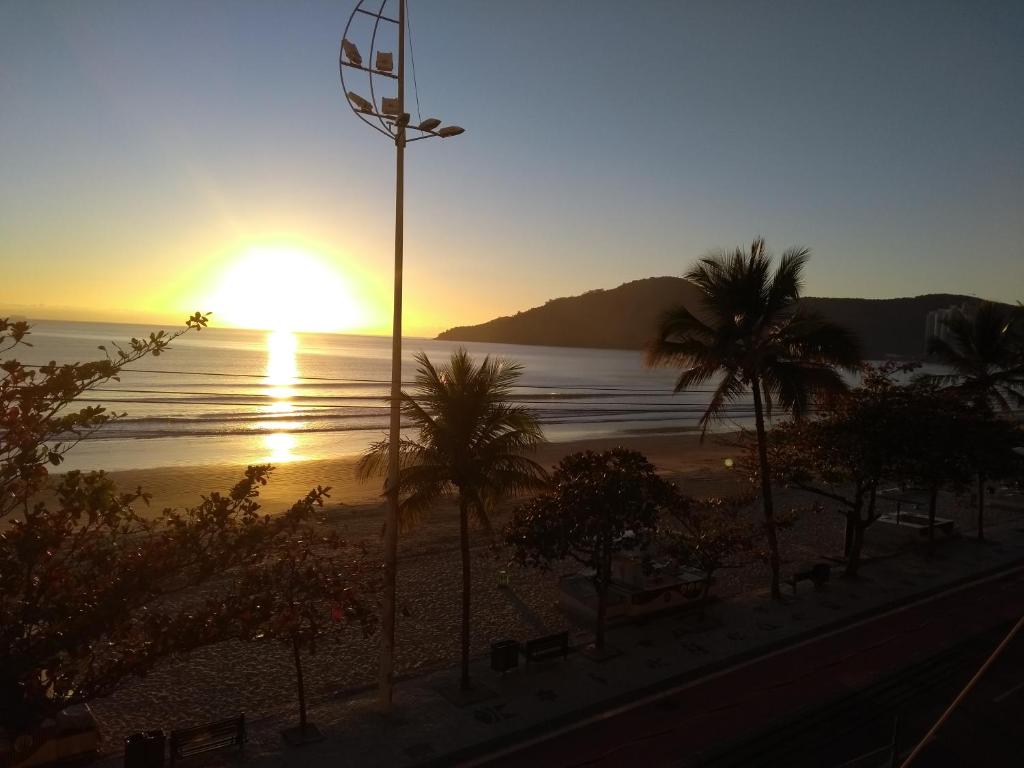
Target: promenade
585	712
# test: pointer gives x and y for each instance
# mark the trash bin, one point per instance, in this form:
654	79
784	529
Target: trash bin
820	573
504	655
144	750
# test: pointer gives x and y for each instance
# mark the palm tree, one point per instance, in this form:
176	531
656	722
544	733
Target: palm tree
471	445
984	354
752	332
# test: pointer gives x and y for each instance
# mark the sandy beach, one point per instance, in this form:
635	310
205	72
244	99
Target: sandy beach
259	679
682	456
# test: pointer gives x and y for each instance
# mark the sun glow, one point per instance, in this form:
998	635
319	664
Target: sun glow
285	288
282	370
280	448
281	378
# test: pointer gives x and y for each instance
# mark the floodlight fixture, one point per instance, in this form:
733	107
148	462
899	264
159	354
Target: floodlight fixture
361	104
351	52
394	122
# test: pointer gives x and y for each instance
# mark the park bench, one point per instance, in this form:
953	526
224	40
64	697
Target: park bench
186	742
918	523
544	648
817	573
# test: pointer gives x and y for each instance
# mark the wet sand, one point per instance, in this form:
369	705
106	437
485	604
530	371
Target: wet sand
682	456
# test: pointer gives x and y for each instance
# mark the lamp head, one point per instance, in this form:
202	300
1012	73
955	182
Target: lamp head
360	103
351	52
385	61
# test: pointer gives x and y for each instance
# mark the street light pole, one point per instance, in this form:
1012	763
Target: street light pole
387	623
390	119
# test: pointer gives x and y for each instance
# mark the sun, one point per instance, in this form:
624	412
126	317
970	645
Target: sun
285	288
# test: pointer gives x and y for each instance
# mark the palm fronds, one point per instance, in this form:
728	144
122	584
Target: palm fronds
468	436
754	329
984	351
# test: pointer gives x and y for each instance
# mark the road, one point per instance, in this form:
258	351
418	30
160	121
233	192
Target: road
830	699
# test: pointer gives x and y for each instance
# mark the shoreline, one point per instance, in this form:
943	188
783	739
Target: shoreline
680	456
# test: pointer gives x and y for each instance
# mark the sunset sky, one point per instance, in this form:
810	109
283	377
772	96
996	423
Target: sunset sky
157	158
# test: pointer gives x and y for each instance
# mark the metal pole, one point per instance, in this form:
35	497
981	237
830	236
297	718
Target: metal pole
387	640
963	694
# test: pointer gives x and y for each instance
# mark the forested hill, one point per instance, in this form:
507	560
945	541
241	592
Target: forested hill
625	317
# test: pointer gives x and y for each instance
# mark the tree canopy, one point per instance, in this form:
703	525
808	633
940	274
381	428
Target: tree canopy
93	590
472	443
599	504
752	335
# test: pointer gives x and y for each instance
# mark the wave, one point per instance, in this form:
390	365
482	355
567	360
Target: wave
250	423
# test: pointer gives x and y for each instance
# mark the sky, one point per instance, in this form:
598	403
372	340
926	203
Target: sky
157	158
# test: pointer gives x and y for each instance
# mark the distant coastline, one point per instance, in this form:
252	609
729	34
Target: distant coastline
624	317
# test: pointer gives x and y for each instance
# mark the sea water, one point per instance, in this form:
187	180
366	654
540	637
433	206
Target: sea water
224	396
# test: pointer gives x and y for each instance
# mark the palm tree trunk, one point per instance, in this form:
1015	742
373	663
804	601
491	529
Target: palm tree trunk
854	534
466	583
301	685
981	506
601	584
602	612
766	490
933	500
704	592
853	562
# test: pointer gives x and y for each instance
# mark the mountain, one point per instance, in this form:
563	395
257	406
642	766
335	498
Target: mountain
625	317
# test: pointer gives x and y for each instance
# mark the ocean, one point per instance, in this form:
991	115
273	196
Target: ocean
225	396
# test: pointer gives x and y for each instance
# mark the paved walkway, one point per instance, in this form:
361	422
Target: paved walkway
689	725
427	729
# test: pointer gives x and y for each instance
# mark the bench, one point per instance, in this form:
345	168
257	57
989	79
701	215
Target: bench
919	523
817	573
186	742
544	648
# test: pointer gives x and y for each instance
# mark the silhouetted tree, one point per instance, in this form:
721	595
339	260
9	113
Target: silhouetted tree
753	335
37	422
85	580
988	450
984	355
857	440
936	456
472	444
709	534
599	504
310	587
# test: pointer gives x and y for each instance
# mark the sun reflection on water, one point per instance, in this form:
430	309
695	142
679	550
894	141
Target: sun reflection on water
282	370
280	448
281	379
